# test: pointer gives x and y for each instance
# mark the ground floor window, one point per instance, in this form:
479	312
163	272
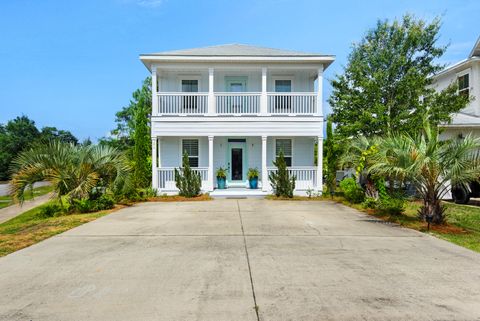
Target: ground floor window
191	147
284	145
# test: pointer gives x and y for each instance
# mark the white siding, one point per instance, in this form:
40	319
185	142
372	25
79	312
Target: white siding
449	133
254	147
169	81
444	80
170	151
302	151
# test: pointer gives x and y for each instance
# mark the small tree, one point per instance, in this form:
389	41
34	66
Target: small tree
430	164
282	184
331	158
141	148
187	181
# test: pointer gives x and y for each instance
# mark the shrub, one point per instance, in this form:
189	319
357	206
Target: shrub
221	172
391	205
352	191
49	210
370	202
282	184
104	202
252	173
187	181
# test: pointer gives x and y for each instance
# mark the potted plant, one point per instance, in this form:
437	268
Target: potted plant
221	177
253	178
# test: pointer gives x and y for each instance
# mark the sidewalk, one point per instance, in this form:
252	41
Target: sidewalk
15	210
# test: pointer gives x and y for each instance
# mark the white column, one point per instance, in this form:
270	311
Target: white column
265	184
154	163
159	152
264	98
154	91
320	91
319	182
210	164
211	95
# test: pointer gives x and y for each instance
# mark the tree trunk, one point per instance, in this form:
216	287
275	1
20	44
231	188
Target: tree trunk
432	209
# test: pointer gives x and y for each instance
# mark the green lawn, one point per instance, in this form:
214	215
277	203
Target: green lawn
30	228
462	227
38	191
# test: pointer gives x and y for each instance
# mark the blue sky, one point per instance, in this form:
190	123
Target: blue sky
73	64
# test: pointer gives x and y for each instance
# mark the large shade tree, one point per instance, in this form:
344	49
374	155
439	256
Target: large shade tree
386	84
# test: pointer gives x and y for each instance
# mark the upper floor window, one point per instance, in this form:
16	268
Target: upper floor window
464	85
191	147
190	86
283	86
283	102
284	145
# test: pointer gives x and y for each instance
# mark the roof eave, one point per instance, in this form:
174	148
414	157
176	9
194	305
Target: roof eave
455	66
475	48
148	59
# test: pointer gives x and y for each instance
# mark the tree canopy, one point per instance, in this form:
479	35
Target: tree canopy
19	133
387	86
122	135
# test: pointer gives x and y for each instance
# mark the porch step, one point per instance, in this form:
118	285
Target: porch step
238	192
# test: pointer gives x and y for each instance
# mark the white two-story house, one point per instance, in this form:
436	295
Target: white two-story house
467	74
235	107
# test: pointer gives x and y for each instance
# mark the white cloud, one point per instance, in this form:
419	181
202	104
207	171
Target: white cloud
150	3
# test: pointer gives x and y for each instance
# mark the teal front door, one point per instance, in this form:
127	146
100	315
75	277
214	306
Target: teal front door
236	161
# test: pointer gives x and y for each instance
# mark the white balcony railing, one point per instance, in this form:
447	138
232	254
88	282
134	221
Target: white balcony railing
292	103
249	103
237	103
306	177
166	178
182	103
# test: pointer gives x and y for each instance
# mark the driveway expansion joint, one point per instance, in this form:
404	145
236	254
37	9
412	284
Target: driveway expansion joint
248	263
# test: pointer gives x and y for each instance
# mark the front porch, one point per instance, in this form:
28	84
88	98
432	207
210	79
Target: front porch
236	155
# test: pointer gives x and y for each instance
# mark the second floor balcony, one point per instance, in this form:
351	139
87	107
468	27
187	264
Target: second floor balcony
236	104
230	93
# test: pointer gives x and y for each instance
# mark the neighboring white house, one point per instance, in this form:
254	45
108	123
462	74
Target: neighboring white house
467	74
236	106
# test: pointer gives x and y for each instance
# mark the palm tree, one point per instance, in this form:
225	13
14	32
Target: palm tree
73	170
433	166
358	155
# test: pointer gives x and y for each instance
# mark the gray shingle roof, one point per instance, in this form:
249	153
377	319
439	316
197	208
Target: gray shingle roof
237	50
476	49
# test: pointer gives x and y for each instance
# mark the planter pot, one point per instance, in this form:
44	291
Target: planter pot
221	182
253	182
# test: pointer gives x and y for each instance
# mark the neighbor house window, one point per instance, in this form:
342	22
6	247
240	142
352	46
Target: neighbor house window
283	102
190	86
191	147
464	85
284	145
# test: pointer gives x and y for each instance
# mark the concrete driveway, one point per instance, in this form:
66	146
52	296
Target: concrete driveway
217	260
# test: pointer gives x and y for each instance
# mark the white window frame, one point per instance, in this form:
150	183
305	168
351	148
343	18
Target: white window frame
275	148
198	78
181	150
461	74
